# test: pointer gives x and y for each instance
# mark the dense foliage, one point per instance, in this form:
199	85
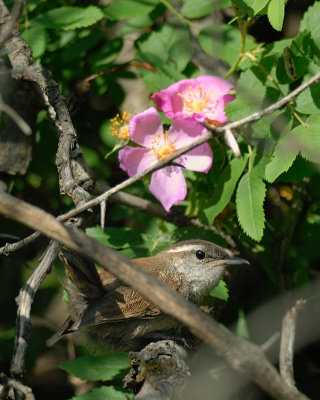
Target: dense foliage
110	58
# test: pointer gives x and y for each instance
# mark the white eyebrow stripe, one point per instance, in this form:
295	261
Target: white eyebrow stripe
185	247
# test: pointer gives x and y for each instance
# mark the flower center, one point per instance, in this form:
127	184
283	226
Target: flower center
162	146
197	101
120	126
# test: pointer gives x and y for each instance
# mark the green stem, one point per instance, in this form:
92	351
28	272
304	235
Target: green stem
243	28
175	12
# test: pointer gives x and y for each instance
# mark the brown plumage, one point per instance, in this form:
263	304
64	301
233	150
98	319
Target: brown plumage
115	315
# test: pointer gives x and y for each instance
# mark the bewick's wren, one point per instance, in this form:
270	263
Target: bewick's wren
118	316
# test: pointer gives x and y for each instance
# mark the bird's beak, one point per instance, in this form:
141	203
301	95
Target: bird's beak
230	261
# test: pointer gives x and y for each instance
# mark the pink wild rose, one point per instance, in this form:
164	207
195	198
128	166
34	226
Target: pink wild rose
200	98
167	184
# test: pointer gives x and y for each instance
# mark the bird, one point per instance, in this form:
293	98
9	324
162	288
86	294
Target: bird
115	316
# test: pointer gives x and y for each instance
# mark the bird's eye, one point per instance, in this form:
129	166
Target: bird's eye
200	254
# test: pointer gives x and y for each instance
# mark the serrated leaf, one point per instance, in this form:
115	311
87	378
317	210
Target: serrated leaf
37	39
97	368
78	49
103	393
130	242
161	79
224	188
308	102
69	17
282	159
250	197
220	291
122	9
310	22
115	237
249	96
276	13
200	8
161	48
307	138
106	54
256	5
222	41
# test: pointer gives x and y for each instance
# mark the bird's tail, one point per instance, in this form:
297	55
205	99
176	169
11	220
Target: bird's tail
83	284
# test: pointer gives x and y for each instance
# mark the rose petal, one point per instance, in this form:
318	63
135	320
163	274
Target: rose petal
144	125
218	113
218	86
169	101
185	131
198	159
168	186
134	160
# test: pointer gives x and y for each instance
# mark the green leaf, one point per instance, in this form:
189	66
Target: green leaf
220	291
308	102
299	170
136	24
250	198
160	79
310	22
81	46
122	9
200	8
37	38
276	13
168	47
103	393
249	96
224	42
69	17
307	139
106	54
97	368
257	5
224	188
130	242
282	159
191	232
242	326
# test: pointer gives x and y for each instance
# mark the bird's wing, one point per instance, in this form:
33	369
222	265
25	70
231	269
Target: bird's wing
123	304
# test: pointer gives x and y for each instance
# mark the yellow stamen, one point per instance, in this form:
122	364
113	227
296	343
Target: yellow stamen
162	146
197	100
120	126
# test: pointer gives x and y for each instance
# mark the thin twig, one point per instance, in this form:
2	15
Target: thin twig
11	247
25	299
25	128
270	342
9	26
14	384
288	334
